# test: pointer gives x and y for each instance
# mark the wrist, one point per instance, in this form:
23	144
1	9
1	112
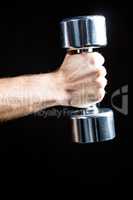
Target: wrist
59	93
49	89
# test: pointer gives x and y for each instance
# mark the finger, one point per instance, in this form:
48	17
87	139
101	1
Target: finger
101	71
101	82
86	99
88	74
95	58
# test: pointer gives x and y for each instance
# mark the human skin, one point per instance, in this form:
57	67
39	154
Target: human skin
79	82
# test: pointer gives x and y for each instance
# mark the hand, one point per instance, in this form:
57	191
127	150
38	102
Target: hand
81	80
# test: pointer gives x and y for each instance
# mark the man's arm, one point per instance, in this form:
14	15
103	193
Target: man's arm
79	82
22	95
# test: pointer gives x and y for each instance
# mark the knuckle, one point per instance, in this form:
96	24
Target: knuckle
101	82
96	58
101	71
100	95
104	71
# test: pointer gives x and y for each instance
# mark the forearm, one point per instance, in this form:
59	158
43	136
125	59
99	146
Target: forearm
20	96
79	82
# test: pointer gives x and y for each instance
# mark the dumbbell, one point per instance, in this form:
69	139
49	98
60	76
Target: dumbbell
83	34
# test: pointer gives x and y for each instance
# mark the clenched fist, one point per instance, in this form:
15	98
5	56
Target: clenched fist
79	82
81	79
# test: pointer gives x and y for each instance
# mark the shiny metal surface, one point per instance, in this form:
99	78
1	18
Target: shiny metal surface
83	32
97	127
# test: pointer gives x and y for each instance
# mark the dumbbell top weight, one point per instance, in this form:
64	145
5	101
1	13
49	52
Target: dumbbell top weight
83	32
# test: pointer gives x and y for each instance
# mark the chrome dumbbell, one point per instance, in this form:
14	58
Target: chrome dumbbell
83	34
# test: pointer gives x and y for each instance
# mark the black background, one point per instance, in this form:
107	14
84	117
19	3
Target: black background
30	43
